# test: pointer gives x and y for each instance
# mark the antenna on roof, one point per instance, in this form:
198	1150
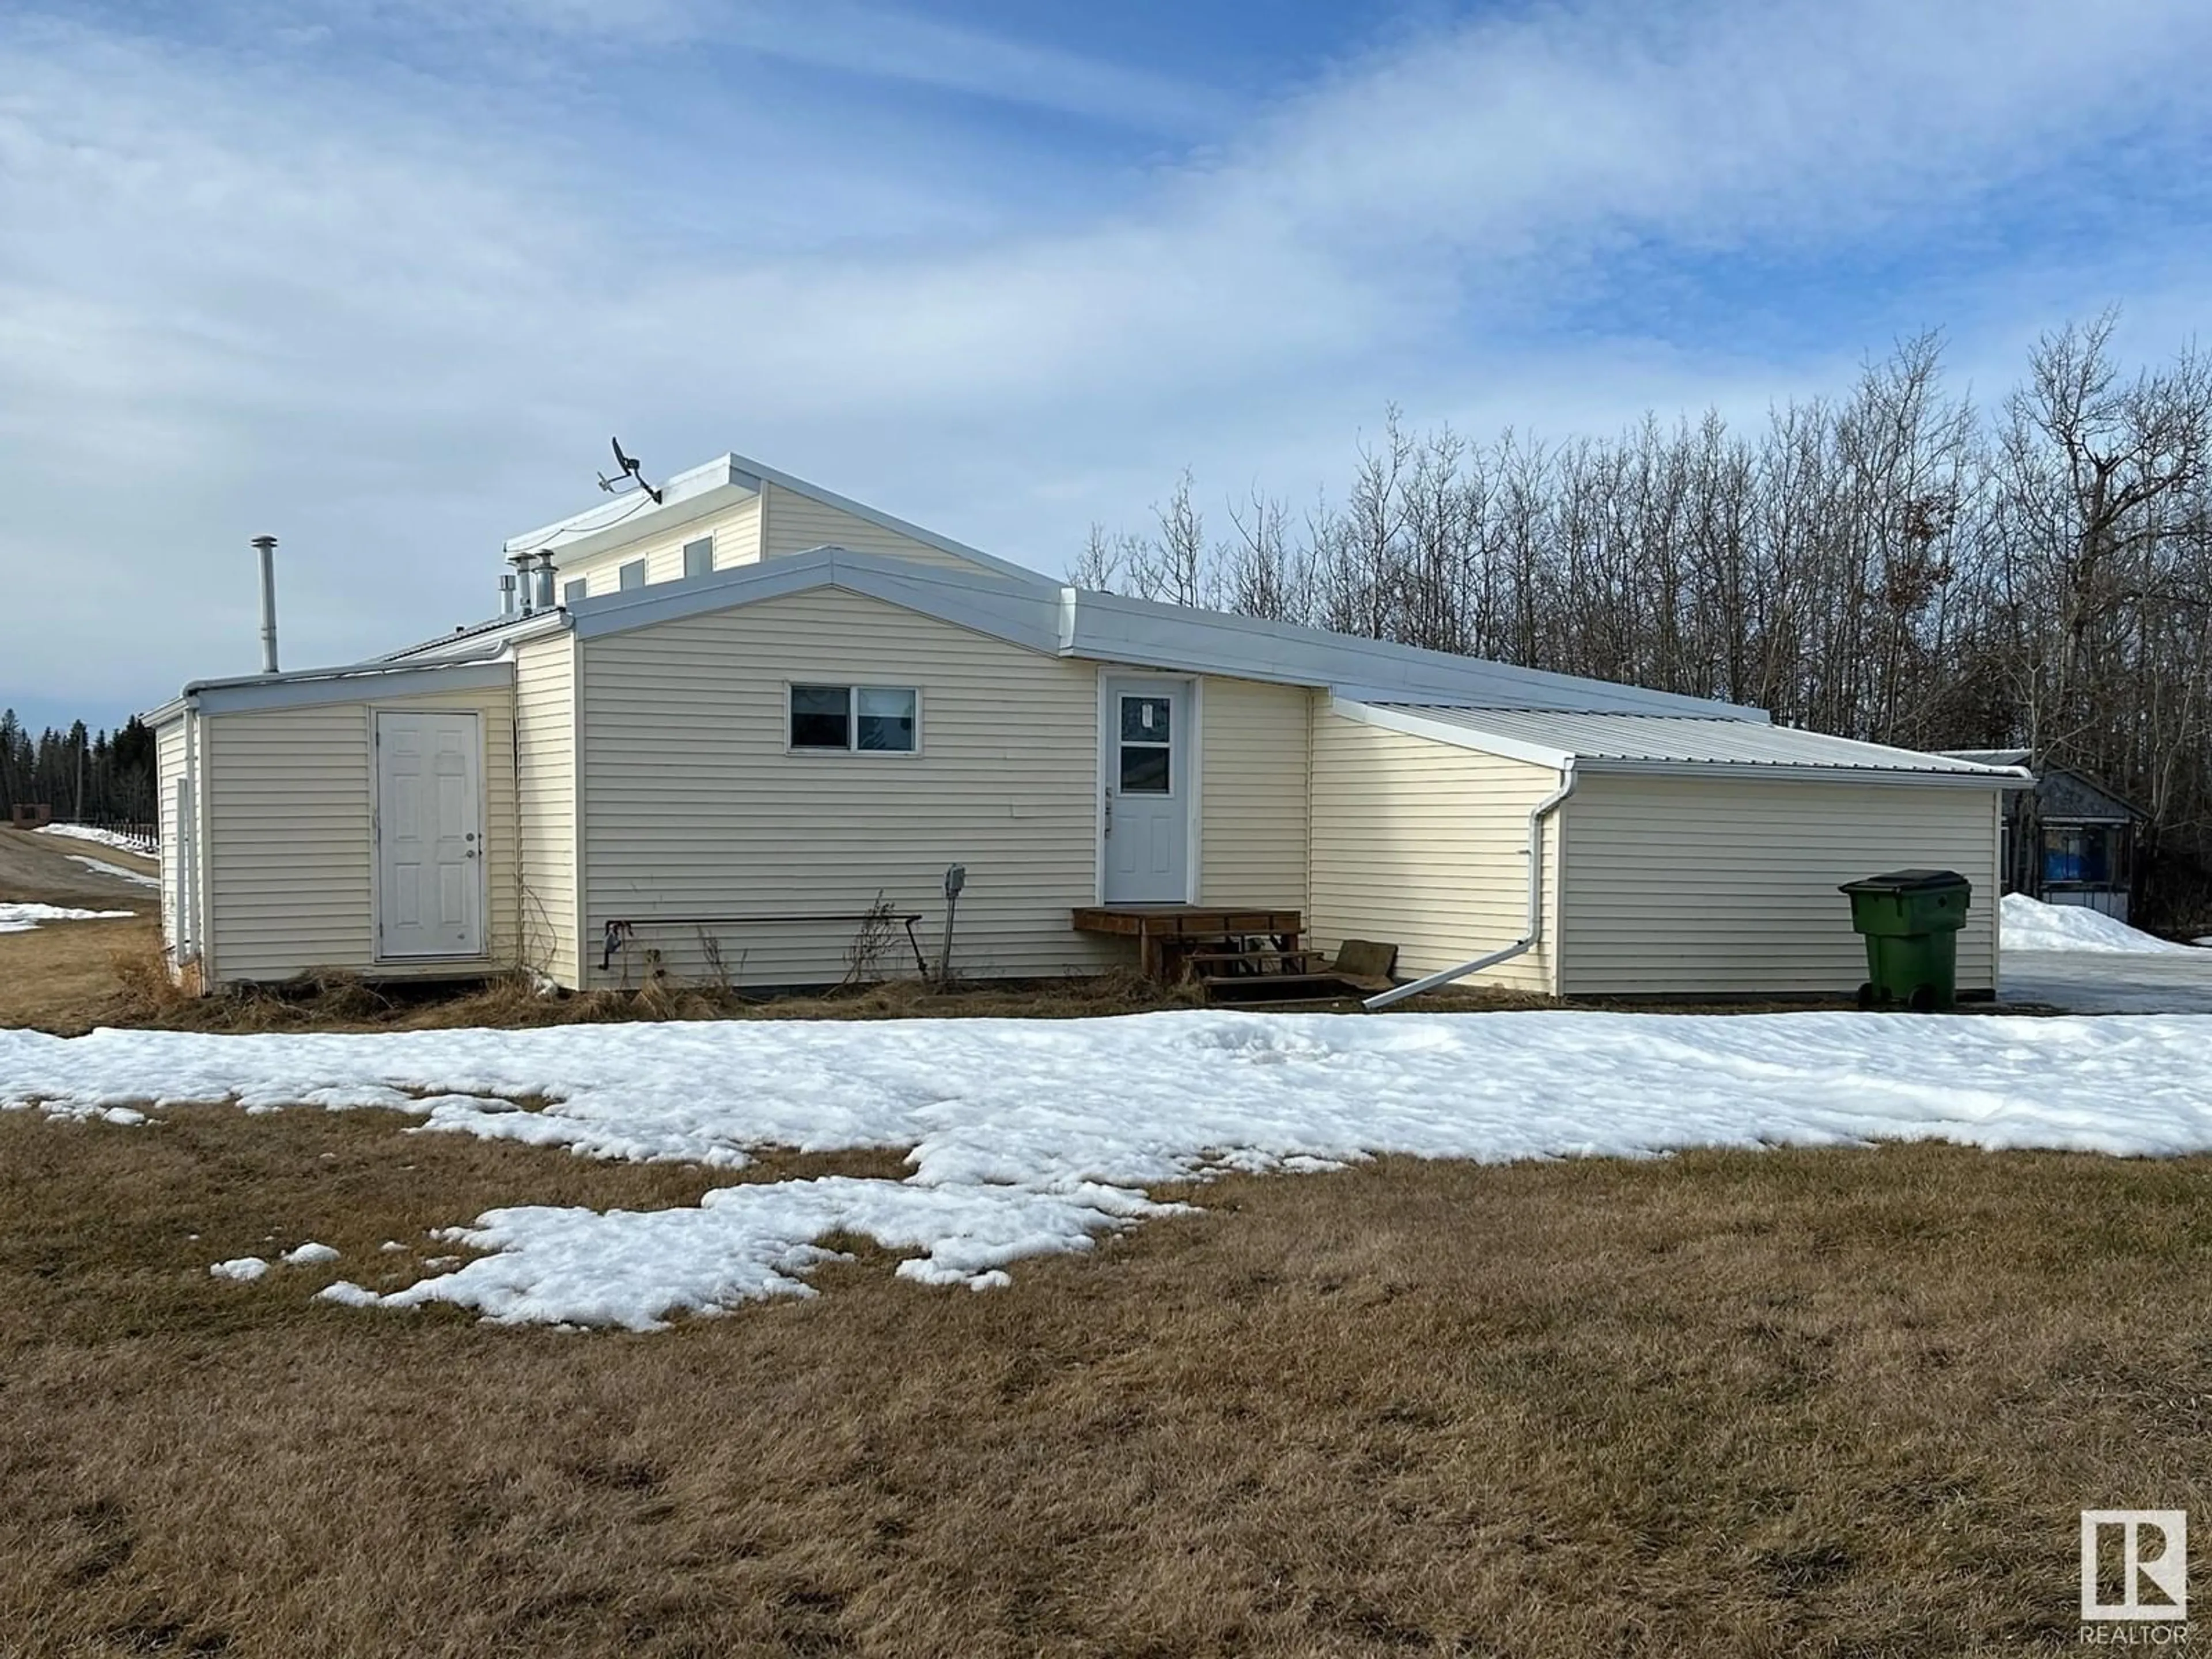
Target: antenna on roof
629	471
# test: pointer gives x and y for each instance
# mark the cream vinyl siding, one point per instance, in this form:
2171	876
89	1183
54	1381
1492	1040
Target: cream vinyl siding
168	772
290	849
1253	794
795	523
692	807
1678	884
1424	845
545	750
735	532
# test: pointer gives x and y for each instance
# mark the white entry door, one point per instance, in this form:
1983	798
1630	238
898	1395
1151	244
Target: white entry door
1146	743
429	836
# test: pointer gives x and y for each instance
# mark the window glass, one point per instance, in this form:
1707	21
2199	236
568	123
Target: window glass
571	592
2074	853
633	574
699	556
1145	720
886	721
821	717
1144	769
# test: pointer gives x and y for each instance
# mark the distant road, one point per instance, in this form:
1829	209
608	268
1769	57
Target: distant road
40	868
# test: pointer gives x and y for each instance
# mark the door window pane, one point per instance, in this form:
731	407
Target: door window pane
1145	720
821	717
886	720
1145	769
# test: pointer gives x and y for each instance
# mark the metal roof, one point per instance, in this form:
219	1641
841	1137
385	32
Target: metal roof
1631	742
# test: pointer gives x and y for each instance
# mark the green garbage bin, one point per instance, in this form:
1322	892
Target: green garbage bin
1911	921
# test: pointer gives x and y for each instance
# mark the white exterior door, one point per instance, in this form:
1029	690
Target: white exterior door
1146	740
429	836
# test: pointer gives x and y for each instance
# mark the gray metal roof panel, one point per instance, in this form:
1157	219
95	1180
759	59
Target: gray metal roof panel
1690	740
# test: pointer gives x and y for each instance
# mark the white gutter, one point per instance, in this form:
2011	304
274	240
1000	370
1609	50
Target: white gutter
1533	933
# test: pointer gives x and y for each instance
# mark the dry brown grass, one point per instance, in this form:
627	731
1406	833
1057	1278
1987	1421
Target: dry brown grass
76	975
1840	1402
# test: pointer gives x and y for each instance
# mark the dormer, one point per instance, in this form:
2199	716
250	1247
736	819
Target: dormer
729	512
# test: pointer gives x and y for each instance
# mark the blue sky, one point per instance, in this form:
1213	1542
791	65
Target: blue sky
380	278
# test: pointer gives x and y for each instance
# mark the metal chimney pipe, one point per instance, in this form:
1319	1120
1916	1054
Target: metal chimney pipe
266	547
507	594
545	581
525	589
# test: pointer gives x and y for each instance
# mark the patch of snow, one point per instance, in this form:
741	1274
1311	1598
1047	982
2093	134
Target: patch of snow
390	1245
116	869
240	1267
347	1293
22	918
120	842
2031	925
1032	1137
122	1116
310	1253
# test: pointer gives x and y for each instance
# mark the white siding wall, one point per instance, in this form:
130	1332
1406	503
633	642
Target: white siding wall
290	849
735	532
1425	845
1253	799
545	750
795	523
692	807
168	771
1692	884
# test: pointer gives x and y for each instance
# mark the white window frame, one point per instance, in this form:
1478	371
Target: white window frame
575	588
853	690
685	556
623	585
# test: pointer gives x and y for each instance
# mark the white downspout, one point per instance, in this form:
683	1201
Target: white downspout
1530	935
190	944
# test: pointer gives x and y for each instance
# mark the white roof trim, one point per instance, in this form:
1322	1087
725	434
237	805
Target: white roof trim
1818	757
485	640
897	526
723	482
1020	615
1112	629
1400	720
1104	627
362	682
634	516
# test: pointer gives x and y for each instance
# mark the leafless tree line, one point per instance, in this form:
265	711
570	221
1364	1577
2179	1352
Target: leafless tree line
1895	564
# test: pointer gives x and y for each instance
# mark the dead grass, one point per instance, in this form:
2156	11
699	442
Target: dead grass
1838	1402
69	978
72	977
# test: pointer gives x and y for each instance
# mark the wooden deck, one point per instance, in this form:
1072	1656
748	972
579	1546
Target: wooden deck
1167	935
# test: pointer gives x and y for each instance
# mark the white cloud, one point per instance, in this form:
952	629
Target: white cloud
392	319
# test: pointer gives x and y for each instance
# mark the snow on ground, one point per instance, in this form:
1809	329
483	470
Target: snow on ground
22	918
116	869
240	1267
310	1254
1028	1136
121	843
2031	925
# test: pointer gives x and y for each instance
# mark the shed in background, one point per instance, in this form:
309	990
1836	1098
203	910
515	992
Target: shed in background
2068	841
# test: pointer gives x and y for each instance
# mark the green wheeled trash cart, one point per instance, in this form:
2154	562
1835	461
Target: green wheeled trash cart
1911	921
